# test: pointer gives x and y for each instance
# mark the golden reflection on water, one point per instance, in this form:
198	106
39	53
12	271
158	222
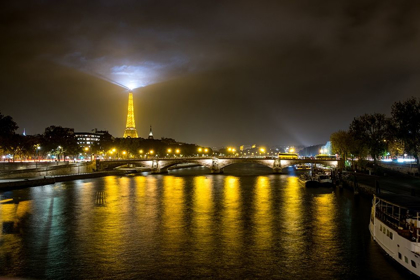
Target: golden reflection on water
293	216
231	225
173	221
262	214
325	225
14	214
12	217
325	240
203	209
106	233
203	213
293	206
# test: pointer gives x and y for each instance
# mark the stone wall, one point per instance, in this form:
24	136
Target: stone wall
402	168
48	170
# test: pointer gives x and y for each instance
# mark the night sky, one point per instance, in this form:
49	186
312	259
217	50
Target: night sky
214	73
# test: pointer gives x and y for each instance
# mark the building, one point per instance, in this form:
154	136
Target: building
88	139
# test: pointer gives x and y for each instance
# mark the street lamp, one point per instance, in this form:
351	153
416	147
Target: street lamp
177	151
169	151
38	147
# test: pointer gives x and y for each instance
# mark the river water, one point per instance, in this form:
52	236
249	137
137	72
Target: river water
244	224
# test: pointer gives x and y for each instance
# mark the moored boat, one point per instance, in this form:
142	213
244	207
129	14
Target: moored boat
395	226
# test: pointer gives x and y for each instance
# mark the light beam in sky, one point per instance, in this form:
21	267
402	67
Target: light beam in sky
127	74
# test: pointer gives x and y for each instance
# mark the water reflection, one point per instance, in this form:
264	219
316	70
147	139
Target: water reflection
231	222
13	217
173	211
325	247
262	214
178	227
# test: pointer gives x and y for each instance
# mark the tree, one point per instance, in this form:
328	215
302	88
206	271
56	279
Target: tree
406	120
7	126
340	143
373	131
60	141
7	133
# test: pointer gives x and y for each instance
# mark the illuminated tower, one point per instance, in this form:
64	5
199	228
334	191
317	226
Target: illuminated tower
130	128
150	133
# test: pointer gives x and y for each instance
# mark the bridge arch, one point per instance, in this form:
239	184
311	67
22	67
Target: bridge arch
223	163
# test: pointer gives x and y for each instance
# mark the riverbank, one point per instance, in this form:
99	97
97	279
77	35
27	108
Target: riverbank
12	184
40	181
385	181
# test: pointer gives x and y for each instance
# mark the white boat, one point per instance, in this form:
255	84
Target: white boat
395	226
323	179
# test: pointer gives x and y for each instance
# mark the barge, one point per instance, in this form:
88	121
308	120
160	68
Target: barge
395	226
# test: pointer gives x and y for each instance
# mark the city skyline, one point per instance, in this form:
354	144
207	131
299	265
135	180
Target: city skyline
219	74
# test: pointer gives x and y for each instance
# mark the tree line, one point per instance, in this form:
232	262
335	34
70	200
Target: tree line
378	135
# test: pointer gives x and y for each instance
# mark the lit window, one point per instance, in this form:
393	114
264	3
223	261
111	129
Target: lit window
406	259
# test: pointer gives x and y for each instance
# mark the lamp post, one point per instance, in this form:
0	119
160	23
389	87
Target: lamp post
37	148
86	151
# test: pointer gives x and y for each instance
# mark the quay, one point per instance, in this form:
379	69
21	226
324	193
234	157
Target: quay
383	180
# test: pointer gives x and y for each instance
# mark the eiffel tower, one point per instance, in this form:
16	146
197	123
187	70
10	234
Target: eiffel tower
130	128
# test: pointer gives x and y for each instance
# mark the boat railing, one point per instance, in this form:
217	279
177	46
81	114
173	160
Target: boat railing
407	230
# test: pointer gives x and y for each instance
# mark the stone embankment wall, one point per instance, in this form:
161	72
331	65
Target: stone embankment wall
10	166
47	170
51	180
410	169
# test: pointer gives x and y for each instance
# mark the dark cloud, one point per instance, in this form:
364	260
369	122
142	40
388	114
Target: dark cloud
216	72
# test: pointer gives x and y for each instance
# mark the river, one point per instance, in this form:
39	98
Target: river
246	223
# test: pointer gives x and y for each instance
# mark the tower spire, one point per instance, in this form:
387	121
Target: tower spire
150	133
130	127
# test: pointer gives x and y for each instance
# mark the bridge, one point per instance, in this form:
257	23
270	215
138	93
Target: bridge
215	164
